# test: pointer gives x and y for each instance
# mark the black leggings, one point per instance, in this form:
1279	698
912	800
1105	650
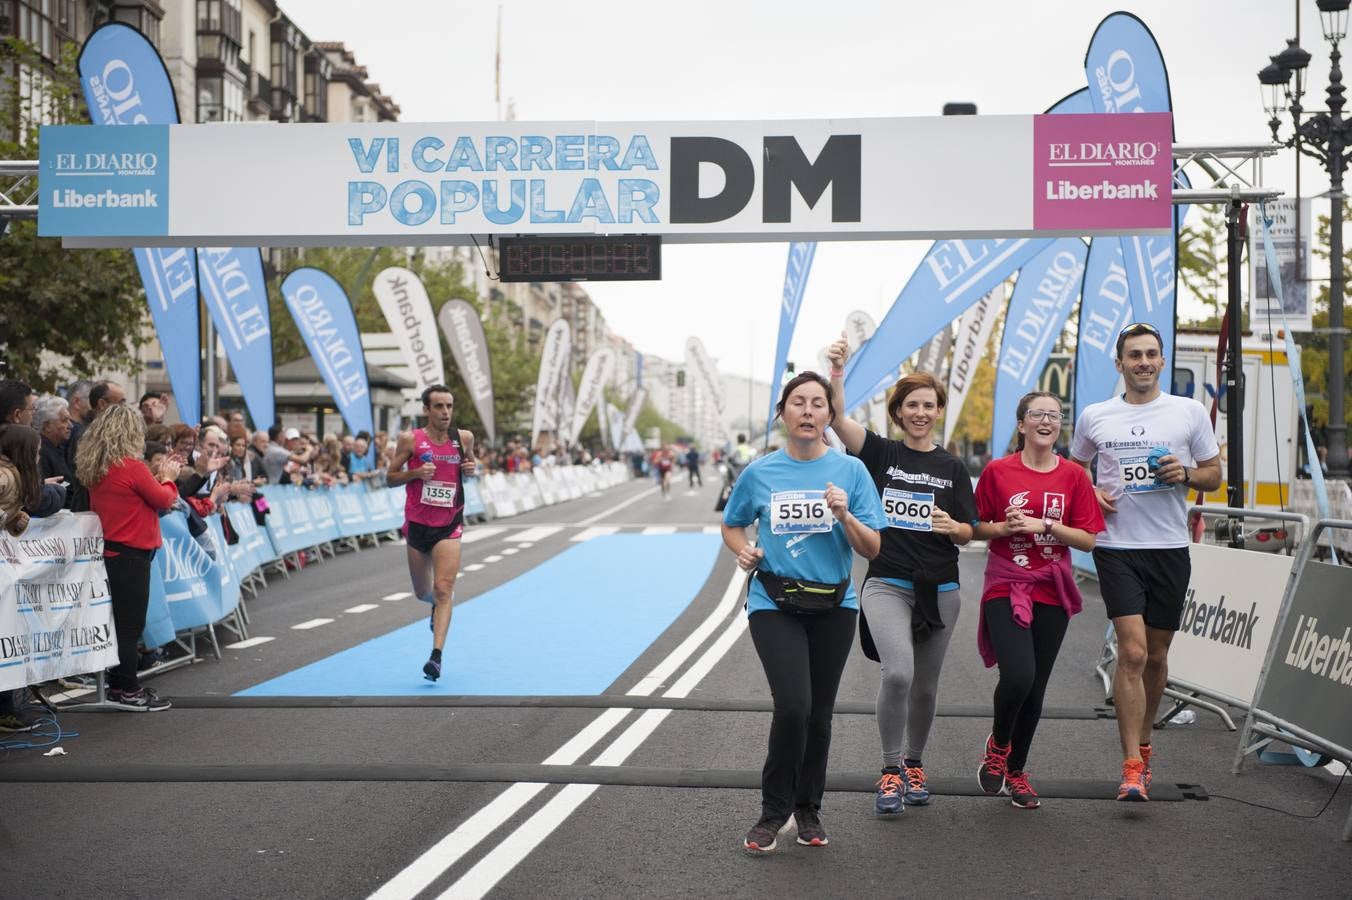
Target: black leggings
129	588
803	657
1026	657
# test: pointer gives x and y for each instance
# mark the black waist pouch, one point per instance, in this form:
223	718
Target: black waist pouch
802	597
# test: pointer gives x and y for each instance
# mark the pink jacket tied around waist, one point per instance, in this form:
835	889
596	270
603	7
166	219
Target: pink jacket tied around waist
1057	576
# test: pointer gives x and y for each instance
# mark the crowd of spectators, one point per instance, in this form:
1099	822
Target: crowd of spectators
516	456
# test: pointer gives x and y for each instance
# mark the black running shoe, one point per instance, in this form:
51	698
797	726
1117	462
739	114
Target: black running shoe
140	700
1021	793
764	835
810	831
432	669
991	775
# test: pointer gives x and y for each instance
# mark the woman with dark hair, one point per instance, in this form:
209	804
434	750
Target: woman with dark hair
127	497
1033	505
21	445
813	507
910	599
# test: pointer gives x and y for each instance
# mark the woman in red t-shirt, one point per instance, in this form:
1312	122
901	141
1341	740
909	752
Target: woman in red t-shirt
127	499
1033	505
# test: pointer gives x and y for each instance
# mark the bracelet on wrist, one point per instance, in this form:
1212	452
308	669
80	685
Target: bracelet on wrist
838	372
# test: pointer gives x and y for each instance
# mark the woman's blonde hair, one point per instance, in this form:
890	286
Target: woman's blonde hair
117	433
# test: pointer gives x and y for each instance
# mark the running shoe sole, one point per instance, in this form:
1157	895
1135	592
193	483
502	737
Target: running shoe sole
1133	794
815	842
431	670
756	850
1032	804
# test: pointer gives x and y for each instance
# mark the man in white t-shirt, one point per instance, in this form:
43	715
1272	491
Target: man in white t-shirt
1152	447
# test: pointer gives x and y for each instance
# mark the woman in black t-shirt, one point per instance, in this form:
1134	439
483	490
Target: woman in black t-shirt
910	600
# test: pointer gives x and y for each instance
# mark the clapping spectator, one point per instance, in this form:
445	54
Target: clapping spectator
127	497
184	440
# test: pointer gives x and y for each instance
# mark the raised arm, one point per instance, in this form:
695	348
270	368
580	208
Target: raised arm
851	433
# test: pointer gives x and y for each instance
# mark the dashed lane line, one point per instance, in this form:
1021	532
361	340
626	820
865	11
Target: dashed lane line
538	533
594	531
397	595
473	567
312	623
250	642
509	551
491	559
660	529
362	607
482	532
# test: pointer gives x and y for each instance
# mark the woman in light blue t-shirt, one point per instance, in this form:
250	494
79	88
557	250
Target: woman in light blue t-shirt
813	507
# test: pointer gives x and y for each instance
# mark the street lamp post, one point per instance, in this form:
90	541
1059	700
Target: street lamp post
1327	137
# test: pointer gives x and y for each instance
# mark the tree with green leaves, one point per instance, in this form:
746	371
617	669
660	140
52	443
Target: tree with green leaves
63	313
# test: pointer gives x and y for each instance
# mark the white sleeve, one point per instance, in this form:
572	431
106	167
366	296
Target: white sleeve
1202	444
1082	446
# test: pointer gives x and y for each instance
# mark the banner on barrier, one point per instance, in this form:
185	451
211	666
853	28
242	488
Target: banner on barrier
1310	681
195	588
1231	607
56	618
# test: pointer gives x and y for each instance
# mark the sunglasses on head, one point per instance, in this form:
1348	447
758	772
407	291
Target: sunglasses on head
1136	328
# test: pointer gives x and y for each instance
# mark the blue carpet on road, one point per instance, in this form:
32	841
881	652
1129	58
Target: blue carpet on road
571	625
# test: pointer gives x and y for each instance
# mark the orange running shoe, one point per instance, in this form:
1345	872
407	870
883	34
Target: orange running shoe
1133	783
1146	750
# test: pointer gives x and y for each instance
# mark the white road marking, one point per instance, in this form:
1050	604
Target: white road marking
595	531
69	695
538	533
515	847
492	559
397	595
363	607
508	551
525	545
449	850
692	493
660	529
481	533
713	529
591	520
473	567
313	623
251	642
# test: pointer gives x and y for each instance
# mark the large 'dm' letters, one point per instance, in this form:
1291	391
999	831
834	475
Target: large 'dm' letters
785	166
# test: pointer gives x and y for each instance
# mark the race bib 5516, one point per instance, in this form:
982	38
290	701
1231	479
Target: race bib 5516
799	512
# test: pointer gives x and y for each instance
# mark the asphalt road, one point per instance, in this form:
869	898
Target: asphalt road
362	799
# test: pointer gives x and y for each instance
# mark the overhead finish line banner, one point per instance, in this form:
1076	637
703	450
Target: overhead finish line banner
330	184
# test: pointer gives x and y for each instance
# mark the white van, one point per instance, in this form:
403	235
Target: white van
1270	413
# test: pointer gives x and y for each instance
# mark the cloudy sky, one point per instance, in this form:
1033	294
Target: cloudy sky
695	60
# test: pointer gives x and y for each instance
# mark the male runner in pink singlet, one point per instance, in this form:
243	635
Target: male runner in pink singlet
431	462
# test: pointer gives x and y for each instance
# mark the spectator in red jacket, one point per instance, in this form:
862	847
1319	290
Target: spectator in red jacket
127	497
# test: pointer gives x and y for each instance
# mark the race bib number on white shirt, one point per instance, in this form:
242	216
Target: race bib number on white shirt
800	512
1135	473
438	493
908	509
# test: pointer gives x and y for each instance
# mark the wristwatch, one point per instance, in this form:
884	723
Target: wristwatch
1187	476
1047	525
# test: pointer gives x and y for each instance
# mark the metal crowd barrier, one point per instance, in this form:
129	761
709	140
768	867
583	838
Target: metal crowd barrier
1304	693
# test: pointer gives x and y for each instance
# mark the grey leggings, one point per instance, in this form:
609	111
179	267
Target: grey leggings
908	692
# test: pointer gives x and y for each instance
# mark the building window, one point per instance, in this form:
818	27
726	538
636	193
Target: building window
286	44
220	98
318	71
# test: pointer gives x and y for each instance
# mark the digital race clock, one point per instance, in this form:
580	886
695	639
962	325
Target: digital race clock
628	258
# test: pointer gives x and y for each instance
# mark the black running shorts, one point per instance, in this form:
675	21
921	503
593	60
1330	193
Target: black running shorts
1152	584
424	537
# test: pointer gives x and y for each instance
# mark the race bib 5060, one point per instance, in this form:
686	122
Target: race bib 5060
799	512
1136	476
438	493
908	509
